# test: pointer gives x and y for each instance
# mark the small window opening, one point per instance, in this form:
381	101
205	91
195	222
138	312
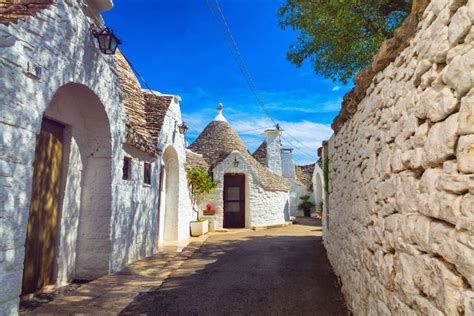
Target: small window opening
127	168
147	173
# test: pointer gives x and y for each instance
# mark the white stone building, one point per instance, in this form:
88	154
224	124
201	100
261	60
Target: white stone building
279	159
81	153
249	194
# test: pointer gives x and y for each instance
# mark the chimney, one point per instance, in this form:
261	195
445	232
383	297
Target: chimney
287	163
273	149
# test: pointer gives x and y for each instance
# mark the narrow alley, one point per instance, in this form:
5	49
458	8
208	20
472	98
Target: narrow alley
278	271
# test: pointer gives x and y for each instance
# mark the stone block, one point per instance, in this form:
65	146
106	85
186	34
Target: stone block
459	74
421	134
465	154
441	141
459	26
467	302
456	183
441	105
466	114
460	49
443	205
467	206
407	193
450	167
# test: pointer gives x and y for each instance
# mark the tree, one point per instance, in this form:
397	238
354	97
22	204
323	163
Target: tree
340	37
200	183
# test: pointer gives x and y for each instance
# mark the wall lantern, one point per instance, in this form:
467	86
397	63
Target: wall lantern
183	128
236	162
108	42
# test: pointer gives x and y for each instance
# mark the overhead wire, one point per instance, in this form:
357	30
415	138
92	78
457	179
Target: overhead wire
238	58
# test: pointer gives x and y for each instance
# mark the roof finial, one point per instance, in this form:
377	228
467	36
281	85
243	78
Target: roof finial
220	117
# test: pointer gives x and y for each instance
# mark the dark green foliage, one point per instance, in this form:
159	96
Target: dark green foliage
340	37
320	207
306	205
201	183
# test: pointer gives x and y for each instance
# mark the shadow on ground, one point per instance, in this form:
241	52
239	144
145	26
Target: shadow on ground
275	272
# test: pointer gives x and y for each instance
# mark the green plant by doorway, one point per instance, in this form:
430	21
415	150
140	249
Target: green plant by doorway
201	183
320	208
306	205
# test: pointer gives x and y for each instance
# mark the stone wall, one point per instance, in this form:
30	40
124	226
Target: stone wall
401	182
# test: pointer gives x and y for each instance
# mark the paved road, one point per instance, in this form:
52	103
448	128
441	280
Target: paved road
282	271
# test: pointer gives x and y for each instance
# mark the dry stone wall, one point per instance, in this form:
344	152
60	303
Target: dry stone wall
401	181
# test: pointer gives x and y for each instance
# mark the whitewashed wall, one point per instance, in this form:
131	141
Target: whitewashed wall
262	208
183	213
401	204
319	193
58	40
298	190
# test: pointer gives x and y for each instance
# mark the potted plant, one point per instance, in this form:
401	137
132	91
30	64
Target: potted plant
306	205
209	210
200	184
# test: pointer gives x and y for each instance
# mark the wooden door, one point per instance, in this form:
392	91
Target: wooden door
234	201
40	246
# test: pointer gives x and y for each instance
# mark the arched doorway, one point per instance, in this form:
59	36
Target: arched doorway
169	204
319	189
68	233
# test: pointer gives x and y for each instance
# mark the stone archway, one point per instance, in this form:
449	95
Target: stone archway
81	244
319	189
168	229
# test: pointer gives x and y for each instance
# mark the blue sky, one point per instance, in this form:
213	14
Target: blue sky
177	47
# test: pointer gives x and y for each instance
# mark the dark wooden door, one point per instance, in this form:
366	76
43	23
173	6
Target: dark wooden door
40	246
234	201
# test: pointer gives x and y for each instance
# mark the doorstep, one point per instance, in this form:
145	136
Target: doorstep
258	228
110	294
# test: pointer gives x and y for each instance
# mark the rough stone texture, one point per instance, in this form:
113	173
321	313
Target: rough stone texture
399	223
389	50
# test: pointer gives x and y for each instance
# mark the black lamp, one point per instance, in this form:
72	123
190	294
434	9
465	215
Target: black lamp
108	42
183	128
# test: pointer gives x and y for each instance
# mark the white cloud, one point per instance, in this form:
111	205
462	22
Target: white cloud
336	88
304	136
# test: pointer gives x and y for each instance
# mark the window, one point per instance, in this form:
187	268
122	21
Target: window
147	173
127	168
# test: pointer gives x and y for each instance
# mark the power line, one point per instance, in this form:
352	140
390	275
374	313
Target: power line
299	149
253	130
236	54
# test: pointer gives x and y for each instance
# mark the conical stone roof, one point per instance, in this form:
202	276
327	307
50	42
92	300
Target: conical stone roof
219	139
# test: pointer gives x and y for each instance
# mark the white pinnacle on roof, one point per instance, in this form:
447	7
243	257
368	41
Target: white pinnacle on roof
220	117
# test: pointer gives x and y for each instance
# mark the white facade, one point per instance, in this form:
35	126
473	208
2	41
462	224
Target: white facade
273	158
262	207
318	186
175	206
50	66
